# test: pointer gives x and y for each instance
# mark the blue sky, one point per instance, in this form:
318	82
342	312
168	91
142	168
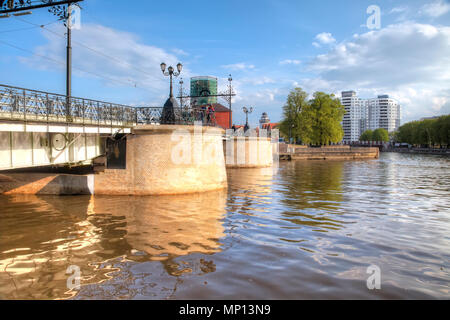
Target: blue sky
269	47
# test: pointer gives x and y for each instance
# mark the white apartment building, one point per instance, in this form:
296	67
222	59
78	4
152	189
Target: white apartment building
355	120
384	112
368	114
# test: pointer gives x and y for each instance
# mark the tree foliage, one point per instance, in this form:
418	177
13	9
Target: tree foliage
366	136
380	135
291	124
317	121
426	132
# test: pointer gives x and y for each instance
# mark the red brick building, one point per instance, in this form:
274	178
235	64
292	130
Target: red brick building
270	126
222	115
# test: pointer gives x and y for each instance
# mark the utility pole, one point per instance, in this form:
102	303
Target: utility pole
58	8
69	63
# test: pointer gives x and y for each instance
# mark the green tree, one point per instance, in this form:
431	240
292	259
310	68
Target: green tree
323	117
366	136
380	135
406	132
426	132
393	136
317	121
441	130
291	123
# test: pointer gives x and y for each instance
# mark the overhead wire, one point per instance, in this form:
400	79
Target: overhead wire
117	60
30	28
62	63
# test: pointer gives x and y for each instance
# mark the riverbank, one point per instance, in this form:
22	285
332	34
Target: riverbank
328	153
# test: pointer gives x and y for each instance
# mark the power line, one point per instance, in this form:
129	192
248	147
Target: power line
15	30
23	29
97	52
63	63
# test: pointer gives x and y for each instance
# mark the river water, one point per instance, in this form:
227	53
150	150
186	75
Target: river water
306	230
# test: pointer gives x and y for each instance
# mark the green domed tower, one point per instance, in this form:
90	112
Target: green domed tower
204	86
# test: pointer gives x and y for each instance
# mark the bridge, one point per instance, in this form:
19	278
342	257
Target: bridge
39	128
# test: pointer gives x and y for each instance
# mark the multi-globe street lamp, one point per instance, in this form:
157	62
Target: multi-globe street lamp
168	113
247	111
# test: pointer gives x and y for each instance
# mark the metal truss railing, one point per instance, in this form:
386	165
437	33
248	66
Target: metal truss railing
26	105
31	105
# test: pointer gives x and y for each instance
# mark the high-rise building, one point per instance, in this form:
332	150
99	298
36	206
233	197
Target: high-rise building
368	114
384	112
355	120
204	86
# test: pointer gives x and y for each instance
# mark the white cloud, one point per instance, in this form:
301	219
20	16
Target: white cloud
289	61
409	61
401	13
401	9
123	60
324	38
435	9
238	66
439	102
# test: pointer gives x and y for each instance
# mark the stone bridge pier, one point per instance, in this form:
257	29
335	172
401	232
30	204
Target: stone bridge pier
167	159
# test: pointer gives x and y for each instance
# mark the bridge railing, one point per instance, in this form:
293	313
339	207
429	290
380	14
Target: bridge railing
32	105
22	104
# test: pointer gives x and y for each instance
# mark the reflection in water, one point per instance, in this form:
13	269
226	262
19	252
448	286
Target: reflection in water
163	228
308	230
38	240
41	236
170	225
250	190
313	190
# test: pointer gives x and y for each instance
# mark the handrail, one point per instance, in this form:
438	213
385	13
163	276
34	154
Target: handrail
60	95
26	105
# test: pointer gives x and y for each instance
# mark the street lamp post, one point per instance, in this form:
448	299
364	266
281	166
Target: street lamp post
168	113
230	89
181	92
247	111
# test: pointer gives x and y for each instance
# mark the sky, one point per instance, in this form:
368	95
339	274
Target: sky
269	47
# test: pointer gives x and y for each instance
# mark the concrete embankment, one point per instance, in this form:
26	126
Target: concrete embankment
329	153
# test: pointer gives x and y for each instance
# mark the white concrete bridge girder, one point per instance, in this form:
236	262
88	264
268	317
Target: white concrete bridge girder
24	145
